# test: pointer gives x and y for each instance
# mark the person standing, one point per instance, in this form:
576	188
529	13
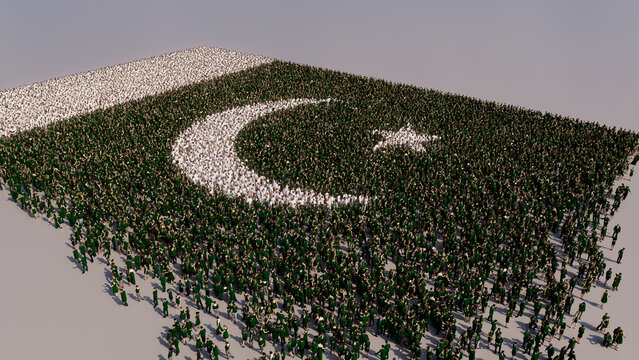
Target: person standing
604	298
227	348
620	255
215	307
607	339
114	287
163	282
85	266
209	346
550	351
499	341
123	297
617	337
615	232
198	300
208	302
225	333
244	336
155	298
197	320
616	282
509	314
608	276
131	277
605	320
76	255
165	308
216	352
580	333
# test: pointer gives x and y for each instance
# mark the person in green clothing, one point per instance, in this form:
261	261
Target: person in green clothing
197	319
571	344
209	346
522	308
114	287
491	313
165	308
616	282
202	334
605	320
580	333
176	345
163	282
198	300
137	292
499	341
208	302
292	345
85	266
155	298
261	341
384	351
131	276
225	333
123	297
219	329
244	336
215	307
620	255
76	254
615	233
216	352
604	298
608	276
227	348
607	339
617	337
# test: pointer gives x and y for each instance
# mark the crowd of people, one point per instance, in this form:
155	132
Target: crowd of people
205	153
43	103
508	208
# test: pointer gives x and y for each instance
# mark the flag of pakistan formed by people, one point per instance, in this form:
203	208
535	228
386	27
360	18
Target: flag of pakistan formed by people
283	169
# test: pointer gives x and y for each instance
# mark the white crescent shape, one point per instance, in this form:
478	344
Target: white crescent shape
206	154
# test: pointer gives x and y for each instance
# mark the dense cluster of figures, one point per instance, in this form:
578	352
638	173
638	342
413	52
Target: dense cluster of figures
507	213
40	104
205	152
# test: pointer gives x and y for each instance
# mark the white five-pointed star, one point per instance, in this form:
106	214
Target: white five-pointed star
403	137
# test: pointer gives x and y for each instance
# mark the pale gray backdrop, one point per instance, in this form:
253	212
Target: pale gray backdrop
576	58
